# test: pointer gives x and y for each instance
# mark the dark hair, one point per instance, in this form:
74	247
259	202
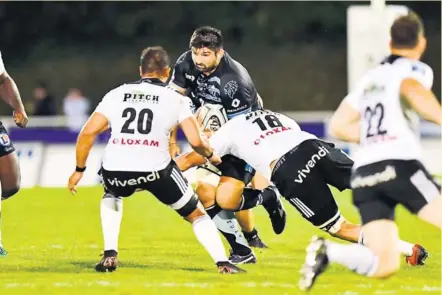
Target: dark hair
207	37
405	31
154	59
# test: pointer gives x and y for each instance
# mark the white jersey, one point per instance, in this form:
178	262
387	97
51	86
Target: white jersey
259	138
389	126
141	116
2	65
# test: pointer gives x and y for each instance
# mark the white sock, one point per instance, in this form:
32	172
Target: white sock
111	215
405	248
357	258
207	234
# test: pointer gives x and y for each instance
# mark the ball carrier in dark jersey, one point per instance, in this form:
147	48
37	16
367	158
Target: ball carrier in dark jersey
208	74
9	166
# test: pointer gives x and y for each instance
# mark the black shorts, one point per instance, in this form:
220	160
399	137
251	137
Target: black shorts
6	146
236	168
302	176
167	185
379	187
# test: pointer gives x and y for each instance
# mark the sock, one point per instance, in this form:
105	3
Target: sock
357	258
207	234
111	215
213	210
250	235
253	197
405	248
226	223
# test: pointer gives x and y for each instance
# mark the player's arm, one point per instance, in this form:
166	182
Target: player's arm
93	127
345	123
422	100
238	96
11	95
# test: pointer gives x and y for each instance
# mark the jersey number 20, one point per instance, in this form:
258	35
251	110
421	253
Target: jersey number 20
375	115
144	121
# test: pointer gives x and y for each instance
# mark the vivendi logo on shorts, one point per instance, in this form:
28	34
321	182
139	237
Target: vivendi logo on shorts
302	174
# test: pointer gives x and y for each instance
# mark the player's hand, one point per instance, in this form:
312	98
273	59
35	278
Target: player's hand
174	149
208	133
215	159
73	181
20	118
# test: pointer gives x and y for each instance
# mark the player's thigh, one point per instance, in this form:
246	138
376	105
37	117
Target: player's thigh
206	183
315	202
9	165
335	165
412	186
259	181
173	190
229	193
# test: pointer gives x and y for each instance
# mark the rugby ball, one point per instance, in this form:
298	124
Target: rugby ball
211	116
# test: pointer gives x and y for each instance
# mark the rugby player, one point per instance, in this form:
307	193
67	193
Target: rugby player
208	74
141	115
381	114
9	164
300	165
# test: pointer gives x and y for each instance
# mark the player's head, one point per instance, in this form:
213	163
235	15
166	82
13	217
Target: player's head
407	35
206	44
154	63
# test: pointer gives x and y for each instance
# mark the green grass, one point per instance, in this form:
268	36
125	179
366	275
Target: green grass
54	240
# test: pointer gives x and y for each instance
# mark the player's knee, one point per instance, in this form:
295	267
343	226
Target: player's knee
229	193
196	213
9	192
227	201
388	265
206	194
334	225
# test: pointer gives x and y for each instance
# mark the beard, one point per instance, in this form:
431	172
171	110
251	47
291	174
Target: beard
204	69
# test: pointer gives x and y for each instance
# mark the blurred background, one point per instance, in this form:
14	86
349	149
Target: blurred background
65	56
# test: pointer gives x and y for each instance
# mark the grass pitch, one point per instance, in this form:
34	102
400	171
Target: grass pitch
54	240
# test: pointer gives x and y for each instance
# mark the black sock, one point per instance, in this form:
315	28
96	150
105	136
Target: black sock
213	210
253	197
250	235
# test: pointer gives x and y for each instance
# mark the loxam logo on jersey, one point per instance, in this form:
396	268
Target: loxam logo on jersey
302	174
271	132
134	181
141	97
131	141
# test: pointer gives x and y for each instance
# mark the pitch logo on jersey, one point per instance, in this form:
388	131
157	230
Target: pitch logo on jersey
140	97
134	181
388	174
230	88
304	172
4	139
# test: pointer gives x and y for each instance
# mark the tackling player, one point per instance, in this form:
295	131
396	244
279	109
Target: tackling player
300	165
9	164
208	74
381	115
141	115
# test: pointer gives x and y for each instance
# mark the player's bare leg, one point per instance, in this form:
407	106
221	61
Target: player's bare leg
10	183
415	254
231	195
380	258
207	234
431	212
225	222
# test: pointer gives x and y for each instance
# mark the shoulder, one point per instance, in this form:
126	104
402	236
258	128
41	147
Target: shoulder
234	73
184	61
417	70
